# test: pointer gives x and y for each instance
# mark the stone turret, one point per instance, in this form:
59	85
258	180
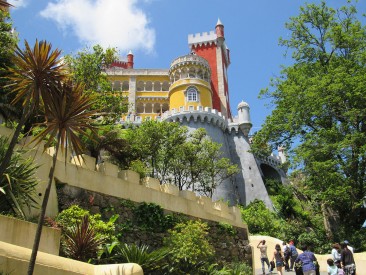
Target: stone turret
220	29
245	124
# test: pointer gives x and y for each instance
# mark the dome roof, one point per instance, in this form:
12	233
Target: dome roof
243	104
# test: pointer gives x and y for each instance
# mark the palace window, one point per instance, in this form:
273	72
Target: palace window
192	94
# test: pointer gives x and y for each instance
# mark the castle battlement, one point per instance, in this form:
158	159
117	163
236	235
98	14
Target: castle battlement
209	115
108	179
202	38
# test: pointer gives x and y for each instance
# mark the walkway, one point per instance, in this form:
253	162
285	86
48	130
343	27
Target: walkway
259	272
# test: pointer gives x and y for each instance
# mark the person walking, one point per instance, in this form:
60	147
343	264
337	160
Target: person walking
293	254
286	254
278	258
308	261
264	258
347	260
348	246
336	255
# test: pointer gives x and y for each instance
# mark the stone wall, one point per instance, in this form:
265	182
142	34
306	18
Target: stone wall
228	247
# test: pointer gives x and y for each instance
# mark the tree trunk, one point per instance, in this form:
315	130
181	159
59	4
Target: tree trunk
4	164
37	238
331	221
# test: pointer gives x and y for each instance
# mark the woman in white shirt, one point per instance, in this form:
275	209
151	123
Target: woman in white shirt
336	255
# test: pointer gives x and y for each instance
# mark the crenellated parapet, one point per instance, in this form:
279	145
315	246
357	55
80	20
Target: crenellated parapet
107	178
208	115
199	39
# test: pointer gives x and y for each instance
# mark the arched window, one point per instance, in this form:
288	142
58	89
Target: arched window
192	94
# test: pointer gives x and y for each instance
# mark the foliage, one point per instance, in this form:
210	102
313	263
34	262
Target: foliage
226	228
106	144
260	219
320	112
141	255
87	67
189	246
34	76
235	268
81	241
74	214
154	143
139	167
150	216
18	184
8	43
187	160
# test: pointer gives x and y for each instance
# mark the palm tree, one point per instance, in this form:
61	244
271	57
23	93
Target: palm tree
34	75
68	115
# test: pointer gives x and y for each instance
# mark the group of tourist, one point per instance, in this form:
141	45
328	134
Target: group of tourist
305	263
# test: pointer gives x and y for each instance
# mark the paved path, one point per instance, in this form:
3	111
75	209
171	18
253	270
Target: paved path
259	272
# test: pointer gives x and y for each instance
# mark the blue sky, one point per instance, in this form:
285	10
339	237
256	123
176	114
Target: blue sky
156	31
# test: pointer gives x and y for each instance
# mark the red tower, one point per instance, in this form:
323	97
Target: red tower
212	47
124	64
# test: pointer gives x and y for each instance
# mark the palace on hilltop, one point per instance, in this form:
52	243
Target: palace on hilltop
194	91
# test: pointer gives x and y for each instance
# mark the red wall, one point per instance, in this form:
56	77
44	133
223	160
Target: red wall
208	52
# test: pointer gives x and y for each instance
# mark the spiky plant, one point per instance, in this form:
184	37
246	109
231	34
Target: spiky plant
17	186
35	74
67	116
148	260
81	241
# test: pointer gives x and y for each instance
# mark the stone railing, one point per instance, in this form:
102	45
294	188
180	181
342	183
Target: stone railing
190	58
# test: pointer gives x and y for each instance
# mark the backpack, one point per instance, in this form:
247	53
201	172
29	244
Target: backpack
287	252
293	251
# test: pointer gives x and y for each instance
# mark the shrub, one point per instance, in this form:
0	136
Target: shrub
226	228
81	241
189	246
18	184
74	214
260	219
141	255
150	216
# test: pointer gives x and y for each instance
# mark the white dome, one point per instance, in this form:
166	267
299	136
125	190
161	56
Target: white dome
243	104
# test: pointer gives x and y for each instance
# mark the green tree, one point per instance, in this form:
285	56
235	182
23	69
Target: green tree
87	67
67	117
8	41
320	108
155	143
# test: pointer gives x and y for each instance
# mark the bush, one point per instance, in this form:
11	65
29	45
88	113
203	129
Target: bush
189	246
150	216
260	219
80	241
18	184
141	255
74	214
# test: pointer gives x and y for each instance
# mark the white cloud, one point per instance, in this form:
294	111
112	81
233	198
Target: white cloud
18	3
114	23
